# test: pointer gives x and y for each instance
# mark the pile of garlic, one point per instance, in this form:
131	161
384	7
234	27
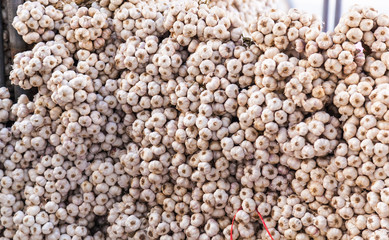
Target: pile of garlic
158	120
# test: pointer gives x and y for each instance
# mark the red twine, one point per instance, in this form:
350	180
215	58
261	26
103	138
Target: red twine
260	216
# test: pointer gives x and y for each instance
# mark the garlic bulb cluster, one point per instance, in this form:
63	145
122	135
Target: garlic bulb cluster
162	119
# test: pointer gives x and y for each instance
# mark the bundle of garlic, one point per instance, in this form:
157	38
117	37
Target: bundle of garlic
157	120
245	12
36	22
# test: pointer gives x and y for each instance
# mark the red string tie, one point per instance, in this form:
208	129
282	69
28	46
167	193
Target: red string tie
260	216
